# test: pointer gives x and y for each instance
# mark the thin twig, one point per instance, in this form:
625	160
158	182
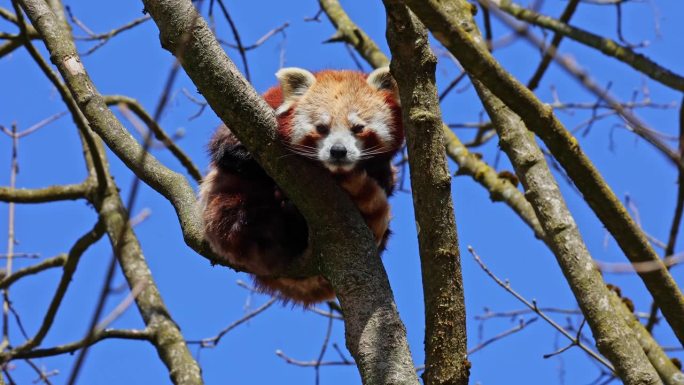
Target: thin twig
81	245
488	314
130	203
37	268
533	305
324	347
452	85
534	81
121	307
677	216
211	342
43	376
639	267
74	346
261	40
521	325
236	35
14	169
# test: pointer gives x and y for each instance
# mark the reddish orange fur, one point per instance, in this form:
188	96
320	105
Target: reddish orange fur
369	185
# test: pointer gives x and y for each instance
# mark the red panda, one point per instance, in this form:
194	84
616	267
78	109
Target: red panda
345	121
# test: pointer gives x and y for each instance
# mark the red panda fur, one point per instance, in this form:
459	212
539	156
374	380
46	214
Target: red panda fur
248	219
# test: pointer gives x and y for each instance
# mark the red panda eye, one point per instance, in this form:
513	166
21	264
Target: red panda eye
357	128
322	129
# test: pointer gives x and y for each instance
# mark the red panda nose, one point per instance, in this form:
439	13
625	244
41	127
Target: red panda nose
338	151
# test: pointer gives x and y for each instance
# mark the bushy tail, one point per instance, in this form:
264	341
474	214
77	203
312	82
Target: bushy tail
304	291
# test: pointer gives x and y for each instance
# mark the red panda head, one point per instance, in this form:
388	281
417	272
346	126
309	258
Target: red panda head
339	118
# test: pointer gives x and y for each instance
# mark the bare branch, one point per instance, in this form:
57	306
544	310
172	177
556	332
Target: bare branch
69	267
500	189
413	67
49	263
158	132
74	346
539	118
609	47
667	371
521	325
47	194
488	314
533	306
348	32
261	40
211	342
375	334
534	81
634	123
236	35
103	38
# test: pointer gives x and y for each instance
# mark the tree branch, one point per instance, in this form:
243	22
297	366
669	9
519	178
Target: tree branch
534	81
163	331
634	123
49	263
500	189
74	346
540	119
158	132
413	66
607	46
47	194
613	338
350	33
375	333
81	245
666	369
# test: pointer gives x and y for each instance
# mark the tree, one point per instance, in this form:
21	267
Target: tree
539	146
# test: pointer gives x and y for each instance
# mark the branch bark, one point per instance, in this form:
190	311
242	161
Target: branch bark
163	331
47	194
666	369
158	132
375	334
74	346
539	117
614	339
606	46
413	66
49	263
500	189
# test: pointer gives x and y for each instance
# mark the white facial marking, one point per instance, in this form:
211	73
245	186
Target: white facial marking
350	143
301	126
354	119
324	119
379	123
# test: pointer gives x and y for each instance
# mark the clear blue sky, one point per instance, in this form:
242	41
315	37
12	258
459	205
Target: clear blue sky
203	299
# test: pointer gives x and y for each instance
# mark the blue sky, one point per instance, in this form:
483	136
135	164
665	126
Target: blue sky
204	299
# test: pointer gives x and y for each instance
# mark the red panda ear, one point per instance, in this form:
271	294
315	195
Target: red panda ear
381	79
294	83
